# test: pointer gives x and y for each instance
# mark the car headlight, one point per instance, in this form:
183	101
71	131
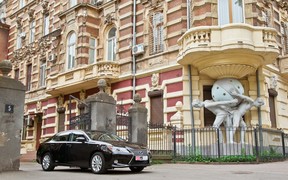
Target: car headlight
107	148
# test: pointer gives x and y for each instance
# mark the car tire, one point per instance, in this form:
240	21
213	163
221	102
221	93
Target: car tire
136	169
98	163
47	162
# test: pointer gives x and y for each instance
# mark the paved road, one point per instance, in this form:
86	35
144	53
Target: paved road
267	171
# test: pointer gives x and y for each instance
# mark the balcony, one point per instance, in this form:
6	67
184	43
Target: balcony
85	77
231	51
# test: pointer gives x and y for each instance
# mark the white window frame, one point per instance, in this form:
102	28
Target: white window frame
32	31
19	39
22	3
228	8
71	50
157	32
72	3
92	50
42	74
111	45
46	24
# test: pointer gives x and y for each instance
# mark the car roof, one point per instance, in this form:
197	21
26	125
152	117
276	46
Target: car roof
70	131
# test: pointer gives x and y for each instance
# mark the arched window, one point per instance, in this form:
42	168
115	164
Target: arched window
71	45
111	45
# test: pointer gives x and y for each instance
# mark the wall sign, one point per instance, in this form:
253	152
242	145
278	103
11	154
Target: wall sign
9	108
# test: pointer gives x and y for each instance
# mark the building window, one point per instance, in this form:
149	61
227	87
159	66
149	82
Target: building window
16	74
230	11
92	50
46	25
22	3
111	43
42	74
19	39
72	3
32	32
28	77
71	53
157	36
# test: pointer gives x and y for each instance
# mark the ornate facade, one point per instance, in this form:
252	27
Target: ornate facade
168	51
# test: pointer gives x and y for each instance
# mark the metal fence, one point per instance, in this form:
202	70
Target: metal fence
263	144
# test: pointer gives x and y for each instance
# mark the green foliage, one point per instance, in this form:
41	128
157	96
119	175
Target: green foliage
207	159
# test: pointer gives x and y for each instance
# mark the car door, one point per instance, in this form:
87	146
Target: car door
78	152
58	148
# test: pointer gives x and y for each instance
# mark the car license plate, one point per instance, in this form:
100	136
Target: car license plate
141	158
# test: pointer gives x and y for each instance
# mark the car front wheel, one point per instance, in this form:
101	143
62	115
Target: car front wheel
98	163
47	162
136	169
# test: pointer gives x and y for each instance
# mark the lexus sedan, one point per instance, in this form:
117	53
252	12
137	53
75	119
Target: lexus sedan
95	150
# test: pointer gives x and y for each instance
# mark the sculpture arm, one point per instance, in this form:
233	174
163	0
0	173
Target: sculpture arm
241	96
232	102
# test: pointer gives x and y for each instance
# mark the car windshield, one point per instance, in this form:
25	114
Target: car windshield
102	136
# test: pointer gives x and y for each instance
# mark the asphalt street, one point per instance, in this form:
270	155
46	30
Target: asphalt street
266	171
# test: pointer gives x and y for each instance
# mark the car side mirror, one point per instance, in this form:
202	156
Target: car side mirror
80	139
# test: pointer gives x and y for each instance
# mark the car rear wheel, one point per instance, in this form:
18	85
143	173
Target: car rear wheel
98	163
47	162
136	169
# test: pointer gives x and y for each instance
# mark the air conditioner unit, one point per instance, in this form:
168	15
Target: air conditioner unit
138	49
97	2
22	35
52	57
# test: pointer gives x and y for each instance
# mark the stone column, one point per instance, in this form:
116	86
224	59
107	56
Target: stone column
103	109
139	124
12	95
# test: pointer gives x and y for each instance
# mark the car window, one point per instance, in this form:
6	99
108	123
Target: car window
63	137
73	136
103	136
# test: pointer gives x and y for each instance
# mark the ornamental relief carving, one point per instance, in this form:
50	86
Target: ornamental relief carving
109	18
31	14
19	22
45	6
40	46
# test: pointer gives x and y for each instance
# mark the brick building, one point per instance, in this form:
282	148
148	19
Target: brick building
167	51
4	31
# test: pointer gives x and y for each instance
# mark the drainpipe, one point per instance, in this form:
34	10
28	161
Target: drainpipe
188	14
259	112
190	82
133	45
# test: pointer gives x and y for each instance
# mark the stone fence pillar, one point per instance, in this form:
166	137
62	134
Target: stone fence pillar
139	124
12	95
103	110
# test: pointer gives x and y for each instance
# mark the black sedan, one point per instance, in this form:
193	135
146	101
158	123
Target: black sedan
96	150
